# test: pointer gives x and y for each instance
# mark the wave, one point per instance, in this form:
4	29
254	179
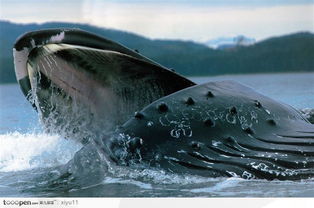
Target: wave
19	151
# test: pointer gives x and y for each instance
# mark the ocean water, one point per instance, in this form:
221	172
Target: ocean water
30	158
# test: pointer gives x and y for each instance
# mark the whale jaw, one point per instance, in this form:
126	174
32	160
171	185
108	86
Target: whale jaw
74	78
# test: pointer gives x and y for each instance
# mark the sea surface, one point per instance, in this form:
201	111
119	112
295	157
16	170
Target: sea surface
29	156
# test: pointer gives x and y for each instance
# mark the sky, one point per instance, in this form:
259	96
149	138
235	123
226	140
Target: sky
197	20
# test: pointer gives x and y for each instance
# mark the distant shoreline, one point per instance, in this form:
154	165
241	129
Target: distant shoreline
281	54
221	75
257	73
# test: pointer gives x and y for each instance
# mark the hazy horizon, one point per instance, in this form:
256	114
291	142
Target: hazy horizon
197	20
203	42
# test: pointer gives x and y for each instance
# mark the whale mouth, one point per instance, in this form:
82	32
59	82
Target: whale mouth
32	40
88	78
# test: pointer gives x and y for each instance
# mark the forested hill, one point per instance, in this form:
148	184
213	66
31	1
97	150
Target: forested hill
290	53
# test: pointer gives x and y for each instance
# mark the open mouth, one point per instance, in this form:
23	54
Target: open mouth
110	81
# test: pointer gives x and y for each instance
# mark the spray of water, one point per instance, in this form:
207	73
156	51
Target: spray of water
34	150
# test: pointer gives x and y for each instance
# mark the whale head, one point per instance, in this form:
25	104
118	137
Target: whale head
78	81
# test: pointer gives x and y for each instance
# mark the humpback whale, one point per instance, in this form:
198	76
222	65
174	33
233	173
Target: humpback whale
139	113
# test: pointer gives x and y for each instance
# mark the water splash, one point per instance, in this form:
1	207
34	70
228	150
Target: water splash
34	150
220	186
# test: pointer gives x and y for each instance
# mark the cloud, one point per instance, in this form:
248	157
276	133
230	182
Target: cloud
198	21
40	11
202	22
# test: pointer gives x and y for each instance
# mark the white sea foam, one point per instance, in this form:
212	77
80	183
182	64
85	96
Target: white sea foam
142	185
230	182
34	150
160	177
